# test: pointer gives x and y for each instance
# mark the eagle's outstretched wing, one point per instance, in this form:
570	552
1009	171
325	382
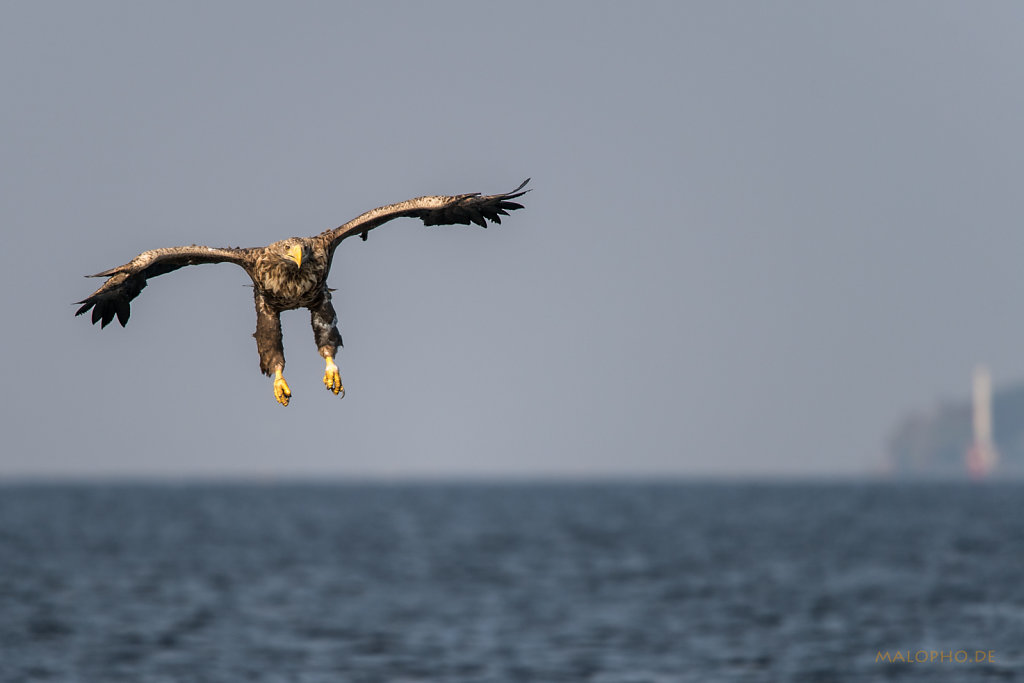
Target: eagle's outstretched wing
462	209
125	282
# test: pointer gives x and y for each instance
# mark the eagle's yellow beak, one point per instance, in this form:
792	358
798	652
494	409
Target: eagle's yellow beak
295	254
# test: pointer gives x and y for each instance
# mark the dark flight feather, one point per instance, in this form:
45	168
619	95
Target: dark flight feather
462	209
125	282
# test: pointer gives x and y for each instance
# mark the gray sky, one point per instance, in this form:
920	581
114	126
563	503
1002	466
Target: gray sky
759	233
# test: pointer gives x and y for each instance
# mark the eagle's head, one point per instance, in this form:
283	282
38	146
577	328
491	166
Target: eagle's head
290	269
292	252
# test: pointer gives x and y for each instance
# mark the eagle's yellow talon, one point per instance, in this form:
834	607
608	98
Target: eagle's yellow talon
332	379
281	391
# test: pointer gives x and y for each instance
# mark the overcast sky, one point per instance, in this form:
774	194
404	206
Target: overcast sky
760	233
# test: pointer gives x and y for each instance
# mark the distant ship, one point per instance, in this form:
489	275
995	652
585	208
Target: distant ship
978	438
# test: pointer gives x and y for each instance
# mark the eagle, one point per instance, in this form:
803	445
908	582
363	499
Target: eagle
290	274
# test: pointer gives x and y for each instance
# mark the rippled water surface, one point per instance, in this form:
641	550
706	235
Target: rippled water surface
524	582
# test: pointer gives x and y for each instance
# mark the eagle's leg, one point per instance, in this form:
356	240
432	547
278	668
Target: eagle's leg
270	344
328	339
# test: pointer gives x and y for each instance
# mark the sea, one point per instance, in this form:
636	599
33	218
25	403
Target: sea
601	582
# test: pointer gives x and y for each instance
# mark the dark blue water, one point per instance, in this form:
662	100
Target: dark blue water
526	582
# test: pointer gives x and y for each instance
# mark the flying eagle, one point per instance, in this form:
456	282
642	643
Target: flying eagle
289	274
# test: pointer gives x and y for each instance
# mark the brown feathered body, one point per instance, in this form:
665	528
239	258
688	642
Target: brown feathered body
291	273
